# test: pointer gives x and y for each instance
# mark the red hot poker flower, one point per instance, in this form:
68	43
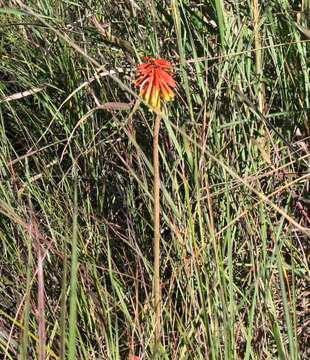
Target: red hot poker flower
155	81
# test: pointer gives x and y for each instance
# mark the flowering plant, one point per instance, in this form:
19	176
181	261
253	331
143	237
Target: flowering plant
155	81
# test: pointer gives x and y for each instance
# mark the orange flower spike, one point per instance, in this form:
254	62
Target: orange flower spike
155	81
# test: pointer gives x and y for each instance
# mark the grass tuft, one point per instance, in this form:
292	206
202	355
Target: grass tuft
76	180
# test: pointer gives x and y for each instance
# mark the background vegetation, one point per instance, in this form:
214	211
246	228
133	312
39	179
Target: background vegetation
76	180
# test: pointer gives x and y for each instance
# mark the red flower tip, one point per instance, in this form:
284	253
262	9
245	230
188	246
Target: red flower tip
155	81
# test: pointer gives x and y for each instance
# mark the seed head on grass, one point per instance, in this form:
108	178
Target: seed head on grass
155	81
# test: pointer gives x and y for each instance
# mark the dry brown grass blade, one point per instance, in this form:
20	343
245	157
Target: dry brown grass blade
22	94
116	106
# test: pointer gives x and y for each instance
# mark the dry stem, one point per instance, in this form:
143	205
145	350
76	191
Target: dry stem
157	288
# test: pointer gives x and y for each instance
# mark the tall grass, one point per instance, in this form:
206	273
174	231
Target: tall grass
76	160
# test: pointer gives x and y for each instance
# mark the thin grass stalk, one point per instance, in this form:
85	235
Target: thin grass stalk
154	23
258	55
25	337
157	288
63	307
73	282
178	29
287	309
260	90
27	308
305	9
221	20
41	307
